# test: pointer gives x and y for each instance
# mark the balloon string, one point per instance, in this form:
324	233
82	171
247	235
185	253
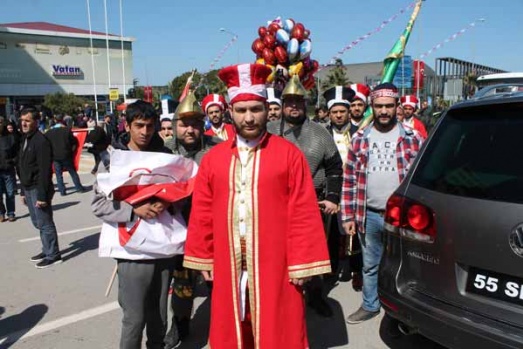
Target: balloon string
449	39
369	34
217	59
222	52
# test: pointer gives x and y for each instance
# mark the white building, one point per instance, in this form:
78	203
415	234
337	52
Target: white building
37	58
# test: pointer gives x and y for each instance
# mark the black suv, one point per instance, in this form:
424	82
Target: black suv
452	267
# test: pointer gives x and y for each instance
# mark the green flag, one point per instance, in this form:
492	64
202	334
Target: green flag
391	62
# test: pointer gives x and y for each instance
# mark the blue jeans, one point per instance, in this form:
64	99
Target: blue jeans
103	157
59	167
7	187
372	249
42	219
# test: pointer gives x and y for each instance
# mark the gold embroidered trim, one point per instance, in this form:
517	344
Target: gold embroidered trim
232	250
308	265
256	235
310	272
197	266
198	260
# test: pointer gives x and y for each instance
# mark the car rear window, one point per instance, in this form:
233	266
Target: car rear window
476	152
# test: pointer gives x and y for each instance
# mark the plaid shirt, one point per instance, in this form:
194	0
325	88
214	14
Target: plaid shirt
354	190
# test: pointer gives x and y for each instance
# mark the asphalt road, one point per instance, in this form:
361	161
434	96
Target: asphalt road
65	307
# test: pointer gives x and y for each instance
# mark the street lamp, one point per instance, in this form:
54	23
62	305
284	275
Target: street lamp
235	37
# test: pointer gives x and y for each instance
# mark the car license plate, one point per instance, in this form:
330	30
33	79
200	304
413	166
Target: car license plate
495	285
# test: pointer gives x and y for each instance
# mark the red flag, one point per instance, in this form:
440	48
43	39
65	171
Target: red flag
187	86
80	135
419	74
148	94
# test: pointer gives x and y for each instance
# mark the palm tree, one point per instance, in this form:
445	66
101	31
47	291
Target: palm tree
470	84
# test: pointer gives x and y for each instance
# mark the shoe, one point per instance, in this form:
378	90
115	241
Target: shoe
11	219
63	193
357	282
361	315
321	307
38	258
93	172
178	332
81	190
2	219
48	262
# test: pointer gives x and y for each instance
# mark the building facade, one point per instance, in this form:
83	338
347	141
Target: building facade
39	58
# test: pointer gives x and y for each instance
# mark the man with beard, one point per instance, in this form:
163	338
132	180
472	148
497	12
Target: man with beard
189	141
257	233
274	100
214	106
410	106
324	162
339	101
378	160
358	106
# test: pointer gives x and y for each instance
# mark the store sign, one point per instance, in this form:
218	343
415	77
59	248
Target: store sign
66	70
114	95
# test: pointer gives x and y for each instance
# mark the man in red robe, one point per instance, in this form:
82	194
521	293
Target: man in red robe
410	106
257	230
214	106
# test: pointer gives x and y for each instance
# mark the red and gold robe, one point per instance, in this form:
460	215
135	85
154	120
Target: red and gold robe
284	239
226	132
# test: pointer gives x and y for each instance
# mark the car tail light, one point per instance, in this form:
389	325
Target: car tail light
411	219
387	303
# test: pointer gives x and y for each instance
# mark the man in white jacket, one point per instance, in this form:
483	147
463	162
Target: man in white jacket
143	277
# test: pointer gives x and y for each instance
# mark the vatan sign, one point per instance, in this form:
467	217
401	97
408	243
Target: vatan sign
114	94
66	70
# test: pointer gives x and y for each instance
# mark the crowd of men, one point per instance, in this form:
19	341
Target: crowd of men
282	203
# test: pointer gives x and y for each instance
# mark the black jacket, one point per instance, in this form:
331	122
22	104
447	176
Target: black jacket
8	151
63	143
99	139
35	165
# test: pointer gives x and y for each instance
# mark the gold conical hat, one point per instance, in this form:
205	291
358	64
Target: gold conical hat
189	108
294	87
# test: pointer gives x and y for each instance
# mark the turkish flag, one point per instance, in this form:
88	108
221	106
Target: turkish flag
81	135
419	74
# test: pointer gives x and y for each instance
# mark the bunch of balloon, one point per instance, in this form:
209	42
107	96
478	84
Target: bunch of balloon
285	47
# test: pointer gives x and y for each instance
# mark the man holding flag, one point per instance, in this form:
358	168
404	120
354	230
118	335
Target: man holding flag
142	229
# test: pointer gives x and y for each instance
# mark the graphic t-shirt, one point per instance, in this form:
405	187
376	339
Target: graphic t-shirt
382	170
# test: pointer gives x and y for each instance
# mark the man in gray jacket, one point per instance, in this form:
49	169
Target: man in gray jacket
143	282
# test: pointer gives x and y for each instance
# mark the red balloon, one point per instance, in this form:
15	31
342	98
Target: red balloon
281	54
258	46
315	65
298	32
269	41
268	56
308	82
262	31
273	27
306	33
